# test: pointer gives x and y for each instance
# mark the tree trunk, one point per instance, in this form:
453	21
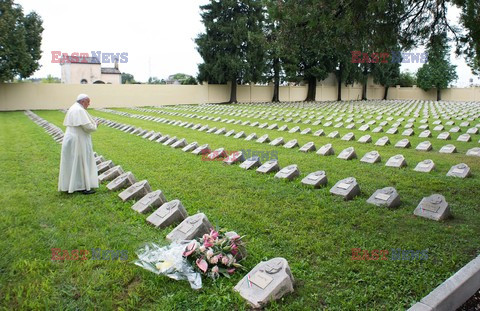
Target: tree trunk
276	80
439	96
364	91
386	93
312	89
233	92
339	83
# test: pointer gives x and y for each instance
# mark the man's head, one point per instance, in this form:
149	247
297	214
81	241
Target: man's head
83	100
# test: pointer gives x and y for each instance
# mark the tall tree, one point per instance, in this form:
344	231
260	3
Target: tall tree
232	45
20	41
273	47
437	72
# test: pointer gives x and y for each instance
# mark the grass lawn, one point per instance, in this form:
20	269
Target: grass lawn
312	229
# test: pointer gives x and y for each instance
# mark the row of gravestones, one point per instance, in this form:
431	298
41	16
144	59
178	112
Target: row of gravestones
326	150
351	125
267	281
54	131
403	143
332	108
347	188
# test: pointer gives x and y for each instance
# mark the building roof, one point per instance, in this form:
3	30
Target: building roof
79	60
110	71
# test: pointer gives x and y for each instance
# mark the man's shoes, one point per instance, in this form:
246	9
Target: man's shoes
91	191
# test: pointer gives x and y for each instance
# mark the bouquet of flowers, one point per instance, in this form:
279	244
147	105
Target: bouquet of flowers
216	253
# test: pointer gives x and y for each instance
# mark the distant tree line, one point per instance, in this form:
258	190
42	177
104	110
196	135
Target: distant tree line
259	41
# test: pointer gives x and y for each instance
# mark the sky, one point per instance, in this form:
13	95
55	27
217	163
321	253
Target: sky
158	35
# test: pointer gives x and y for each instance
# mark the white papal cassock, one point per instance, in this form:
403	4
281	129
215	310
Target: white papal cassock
78	170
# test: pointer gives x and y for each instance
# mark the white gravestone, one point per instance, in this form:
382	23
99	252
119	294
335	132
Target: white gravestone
448	149
168	213
251	137
291	144
135	191
365	139
460	170
315	179
383	141
433	207
269	167
444	136
125	180
333	134
347	154
464	138
268	281
426	166
326	150
396	161
111	174
179	143
190	228
104	166
424	146
149	201
348	137
474	152
230	133
277	141
386	197
403	143
288	172
308	147
263	139
235	157
252	162
190	147
239	135
346	188
319	133
217	153
203	149
371	157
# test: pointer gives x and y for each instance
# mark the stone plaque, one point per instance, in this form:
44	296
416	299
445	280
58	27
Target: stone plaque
424	146
346	188
364	128
190	147
104	166
125	180
163	139
438	128
283	128
465	124
424	127
308	147
155	136
348	137
329	123
269	167
350	126
288	172
99	160
386	197
179	143
251	137
319	133
294	129
268	281
277	141
149	201
371	157
291	144
425	134
408	132
403	143
474	152
306	131
426	166
460	170
263	125
217	153
252	162
212	130
448	149
472	131
464	138
190	228
347	154
396	161
272	126
333	134
168	213
135	191
455	129
256	123
110	174
365	139
148	134
203	149
326	150
392	130
444	136
240	134
338	125
220	131
235	157
433	207
170	141
230	133
383	141
316	179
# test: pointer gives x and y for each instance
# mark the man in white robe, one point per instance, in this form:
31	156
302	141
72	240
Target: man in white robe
78	170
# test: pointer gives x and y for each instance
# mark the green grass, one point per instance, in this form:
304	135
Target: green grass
313	230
